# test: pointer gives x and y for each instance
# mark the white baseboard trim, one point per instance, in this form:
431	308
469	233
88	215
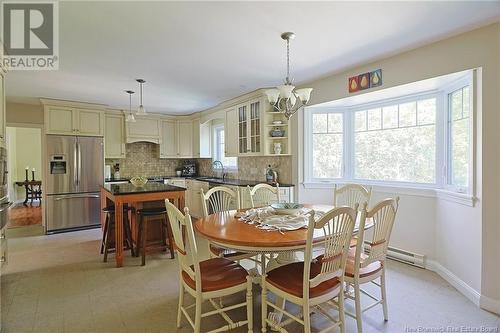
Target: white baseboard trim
490	304
473	295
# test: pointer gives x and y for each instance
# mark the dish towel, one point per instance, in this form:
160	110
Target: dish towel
267	219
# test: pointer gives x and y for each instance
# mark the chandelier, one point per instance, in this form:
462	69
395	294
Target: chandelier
285	98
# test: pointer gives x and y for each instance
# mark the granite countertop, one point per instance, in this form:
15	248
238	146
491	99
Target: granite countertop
213	180
128	188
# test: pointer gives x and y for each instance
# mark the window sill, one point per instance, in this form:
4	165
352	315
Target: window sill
460	198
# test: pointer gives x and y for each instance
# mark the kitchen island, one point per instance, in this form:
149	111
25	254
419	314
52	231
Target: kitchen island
121	194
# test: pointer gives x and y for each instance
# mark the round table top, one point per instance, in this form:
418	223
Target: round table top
226	230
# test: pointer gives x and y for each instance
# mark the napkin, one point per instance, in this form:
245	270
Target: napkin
267	219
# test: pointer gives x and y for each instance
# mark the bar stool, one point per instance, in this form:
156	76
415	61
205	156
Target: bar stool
109	229
144	215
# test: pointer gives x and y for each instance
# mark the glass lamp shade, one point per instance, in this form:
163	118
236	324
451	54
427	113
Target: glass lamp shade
272	95
293	99
286	90
141	110
304	94
130	118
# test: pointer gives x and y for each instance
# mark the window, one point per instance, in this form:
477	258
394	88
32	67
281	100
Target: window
327	143
406	140
459	138
396	142
228	162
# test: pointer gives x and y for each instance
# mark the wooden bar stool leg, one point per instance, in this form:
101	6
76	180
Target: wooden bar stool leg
128	235
139	237
107	242
144	225
104	232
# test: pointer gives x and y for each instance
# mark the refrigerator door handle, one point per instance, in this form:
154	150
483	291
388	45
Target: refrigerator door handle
79	163
77	196
75	165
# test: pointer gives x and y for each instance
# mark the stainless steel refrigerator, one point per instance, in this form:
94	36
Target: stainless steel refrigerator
74	176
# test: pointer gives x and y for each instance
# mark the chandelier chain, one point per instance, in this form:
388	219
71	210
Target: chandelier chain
288	61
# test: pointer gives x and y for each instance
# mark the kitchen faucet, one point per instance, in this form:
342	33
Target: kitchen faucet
217	165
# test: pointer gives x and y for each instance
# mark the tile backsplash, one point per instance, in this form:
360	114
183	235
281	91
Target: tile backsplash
142	159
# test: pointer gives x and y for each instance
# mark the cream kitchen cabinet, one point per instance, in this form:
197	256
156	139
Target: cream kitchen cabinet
193	196
143	129
168	142
73	121
185	138
114	136
231	133
244	129
205	140
196	138
177	139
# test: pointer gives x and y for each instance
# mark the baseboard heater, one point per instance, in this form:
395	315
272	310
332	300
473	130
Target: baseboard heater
406	257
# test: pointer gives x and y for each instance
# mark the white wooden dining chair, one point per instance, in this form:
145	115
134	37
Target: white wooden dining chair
363	268
264	194
221	199
314	281
350	195
206	280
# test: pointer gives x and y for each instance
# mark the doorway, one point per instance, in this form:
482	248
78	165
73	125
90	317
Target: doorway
24	156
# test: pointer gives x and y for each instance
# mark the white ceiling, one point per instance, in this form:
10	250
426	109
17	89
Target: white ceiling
195	55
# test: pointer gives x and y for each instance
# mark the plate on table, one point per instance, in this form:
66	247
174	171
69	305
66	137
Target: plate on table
287	208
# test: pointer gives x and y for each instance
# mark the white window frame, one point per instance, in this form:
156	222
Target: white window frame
442	143
216	146
457	85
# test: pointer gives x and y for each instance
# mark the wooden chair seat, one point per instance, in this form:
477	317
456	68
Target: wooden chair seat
217	274
371	269
289	278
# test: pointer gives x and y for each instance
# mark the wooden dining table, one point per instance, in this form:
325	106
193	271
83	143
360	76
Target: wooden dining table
121	194
227	231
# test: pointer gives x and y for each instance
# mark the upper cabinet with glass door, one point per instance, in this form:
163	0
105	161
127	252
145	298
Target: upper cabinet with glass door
249	127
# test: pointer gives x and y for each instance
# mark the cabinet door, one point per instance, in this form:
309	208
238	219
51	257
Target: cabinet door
254	126
2	106
114	136
231	133
168	143
90	122
196	138
243	129
206	140
60	120
185	138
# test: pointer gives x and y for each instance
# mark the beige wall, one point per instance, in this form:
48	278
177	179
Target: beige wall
467	237
24	113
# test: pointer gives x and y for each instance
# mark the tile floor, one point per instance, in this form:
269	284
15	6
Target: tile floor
59	283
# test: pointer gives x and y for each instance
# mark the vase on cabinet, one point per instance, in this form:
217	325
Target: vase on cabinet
277	148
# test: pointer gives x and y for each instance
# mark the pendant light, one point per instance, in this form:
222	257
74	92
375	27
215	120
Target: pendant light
141	111
284	98
130	117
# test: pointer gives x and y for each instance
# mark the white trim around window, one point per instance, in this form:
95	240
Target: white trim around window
440	187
